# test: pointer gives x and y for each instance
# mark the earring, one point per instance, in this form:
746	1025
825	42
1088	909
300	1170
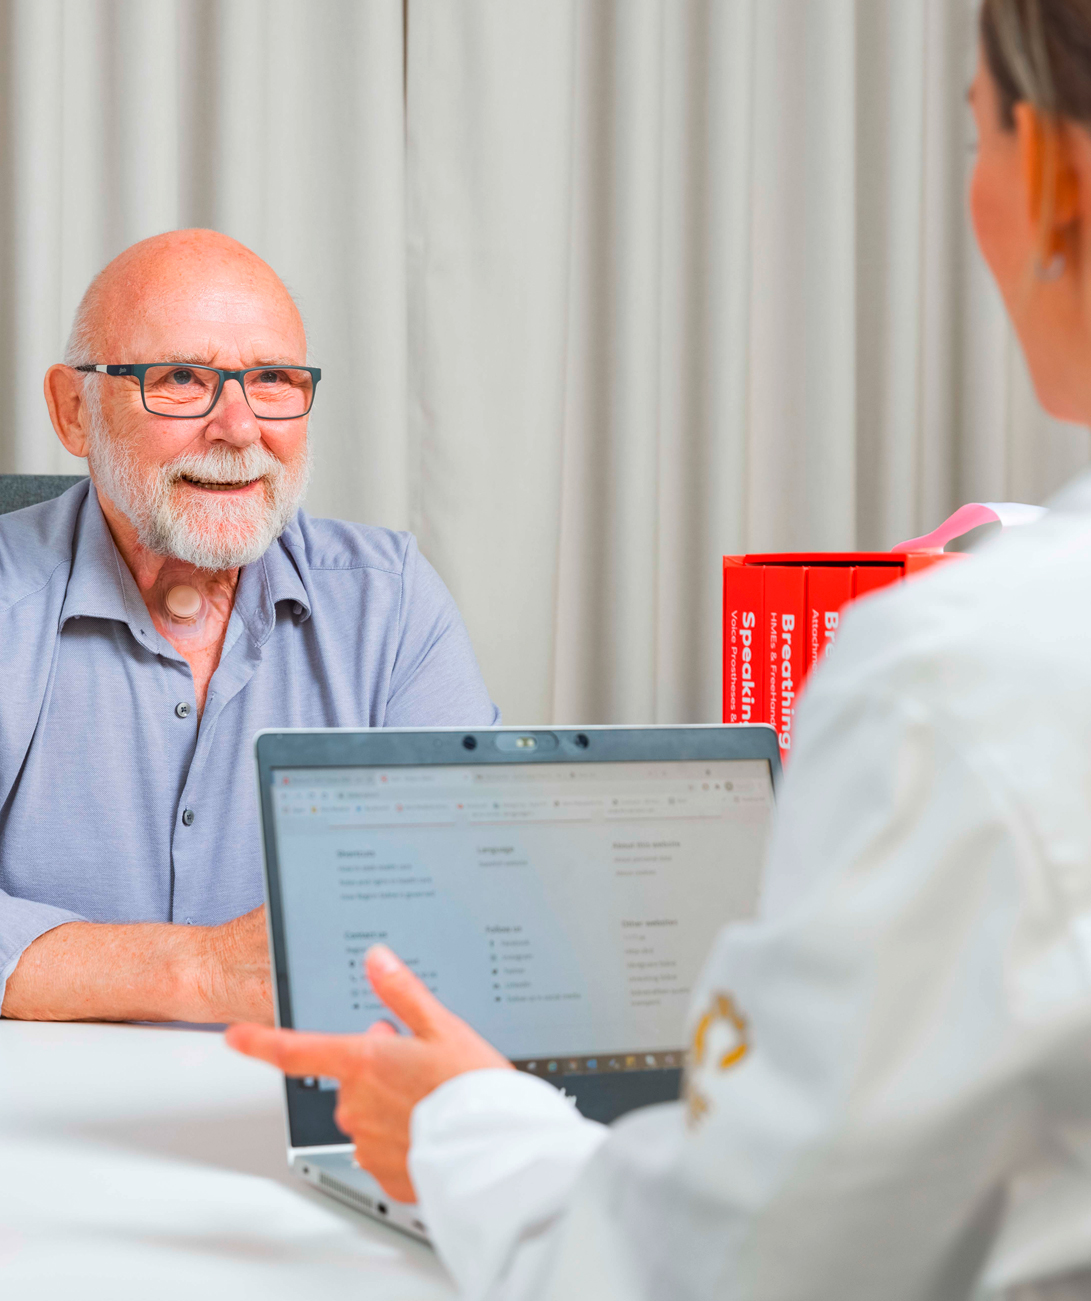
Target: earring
1052	270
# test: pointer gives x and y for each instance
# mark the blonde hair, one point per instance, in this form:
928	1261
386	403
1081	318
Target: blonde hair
1039	53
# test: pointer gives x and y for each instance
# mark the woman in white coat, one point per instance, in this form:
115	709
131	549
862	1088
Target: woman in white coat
911	1116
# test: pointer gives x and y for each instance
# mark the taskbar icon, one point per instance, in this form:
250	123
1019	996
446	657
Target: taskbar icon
552	1068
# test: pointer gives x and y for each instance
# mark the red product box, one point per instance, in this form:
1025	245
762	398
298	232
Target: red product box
795	599
786	646
744	605
829	588
869	578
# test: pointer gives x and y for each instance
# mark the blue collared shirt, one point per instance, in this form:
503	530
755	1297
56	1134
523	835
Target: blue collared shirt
117	806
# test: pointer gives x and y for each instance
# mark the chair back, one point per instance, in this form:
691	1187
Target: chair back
19	490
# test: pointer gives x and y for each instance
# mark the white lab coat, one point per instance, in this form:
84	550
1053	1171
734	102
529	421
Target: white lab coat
911	1116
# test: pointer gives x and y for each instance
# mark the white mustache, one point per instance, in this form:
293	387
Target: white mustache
222	466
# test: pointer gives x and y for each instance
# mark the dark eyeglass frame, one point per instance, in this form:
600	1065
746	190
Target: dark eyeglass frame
140	369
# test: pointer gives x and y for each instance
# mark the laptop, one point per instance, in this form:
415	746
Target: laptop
557	888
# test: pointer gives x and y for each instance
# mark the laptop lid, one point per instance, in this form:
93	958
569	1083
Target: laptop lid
557	888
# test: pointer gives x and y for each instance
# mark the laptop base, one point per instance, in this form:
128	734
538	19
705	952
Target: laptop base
336	1174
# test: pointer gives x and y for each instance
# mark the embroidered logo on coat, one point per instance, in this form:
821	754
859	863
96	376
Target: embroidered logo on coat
721	1039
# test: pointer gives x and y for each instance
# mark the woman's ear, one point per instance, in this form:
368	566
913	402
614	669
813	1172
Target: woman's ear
67	409
1050	179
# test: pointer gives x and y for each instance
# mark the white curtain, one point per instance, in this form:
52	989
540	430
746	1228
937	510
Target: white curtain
602	289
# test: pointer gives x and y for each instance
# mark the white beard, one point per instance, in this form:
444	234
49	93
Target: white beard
203	530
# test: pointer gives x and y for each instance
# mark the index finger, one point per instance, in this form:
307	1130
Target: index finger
404	993
295	1053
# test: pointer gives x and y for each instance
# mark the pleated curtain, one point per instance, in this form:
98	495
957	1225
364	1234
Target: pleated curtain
601	289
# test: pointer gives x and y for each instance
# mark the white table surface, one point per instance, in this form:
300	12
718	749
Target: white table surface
141	1162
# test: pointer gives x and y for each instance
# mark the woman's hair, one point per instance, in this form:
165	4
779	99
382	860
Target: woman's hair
1039	52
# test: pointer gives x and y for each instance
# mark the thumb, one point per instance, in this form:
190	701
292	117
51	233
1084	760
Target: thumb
404	993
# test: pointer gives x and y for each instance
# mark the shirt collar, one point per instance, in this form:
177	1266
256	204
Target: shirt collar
268	581
100	585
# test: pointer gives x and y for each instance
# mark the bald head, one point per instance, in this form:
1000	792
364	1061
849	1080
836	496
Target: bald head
183	276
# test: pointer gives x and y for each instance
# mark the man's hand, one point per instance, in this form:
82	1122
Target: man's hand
144	971
383	1075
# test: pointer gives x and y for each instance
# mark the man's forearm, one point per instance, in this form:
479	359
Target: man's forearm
90	971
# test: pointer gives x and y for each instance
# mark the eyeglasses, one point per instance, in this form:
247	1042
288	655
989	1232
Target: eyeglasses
189	392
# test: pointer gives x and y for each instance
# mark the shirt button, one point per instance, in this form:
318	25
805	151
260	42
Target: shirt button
182	709
187	817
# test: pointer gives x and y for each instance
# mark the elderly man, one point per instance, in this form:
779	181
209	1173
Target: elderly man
153	619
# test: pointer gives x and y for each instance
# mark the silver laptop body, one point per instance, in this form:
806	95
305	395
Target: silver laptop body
557	887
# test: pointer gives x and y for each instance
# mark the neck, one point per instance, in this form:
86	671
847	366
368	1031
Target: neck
198	639
148	568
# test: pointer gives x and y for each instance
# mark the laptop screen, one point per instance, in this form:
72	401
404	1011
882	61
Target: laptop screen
564	911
